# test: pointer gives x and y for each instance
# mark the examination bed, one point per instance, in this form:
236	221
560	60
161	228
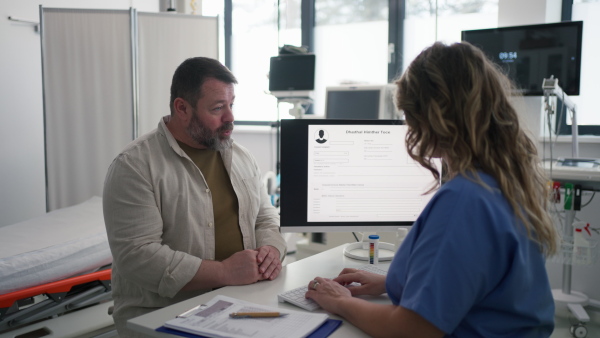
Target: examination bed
54	265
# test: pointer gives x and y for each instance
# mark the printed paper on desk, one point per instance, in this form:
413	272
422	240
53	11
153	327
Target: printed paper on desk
214	321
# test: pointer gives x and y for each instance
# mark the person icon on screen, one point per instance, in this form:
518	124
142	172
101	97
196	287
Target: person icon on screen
321	139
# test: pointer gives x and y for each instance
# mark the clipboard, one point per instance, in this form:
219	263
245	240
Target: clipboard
323	331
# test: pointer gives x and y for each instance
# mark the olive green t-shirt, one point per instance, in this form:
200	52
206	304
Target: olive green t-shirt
228	237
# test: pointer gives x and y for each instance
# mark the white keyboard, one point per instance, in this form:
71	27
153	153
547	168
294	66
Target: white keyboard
296	296
378	269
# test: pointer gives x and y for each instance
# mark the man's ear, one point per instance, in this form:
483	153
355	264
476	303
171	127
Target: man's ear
183	109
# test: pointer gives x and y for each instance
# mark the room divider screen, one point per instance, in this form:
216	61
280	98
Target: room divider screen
106	78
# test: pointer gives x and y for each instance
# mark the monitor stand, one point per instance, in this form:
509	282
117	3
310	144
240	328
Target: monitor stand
360	250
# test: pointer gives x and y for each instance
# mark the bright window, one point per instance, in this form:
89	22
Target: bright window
351	44
216	8
259	29
254	41
427	23
587	106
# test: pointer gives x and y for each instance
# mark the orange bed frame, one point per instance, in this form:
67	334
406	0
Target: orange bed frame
19	308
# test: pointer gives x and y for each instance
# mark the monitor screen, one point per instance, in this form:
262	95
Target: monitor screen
360	102
292	72
532	53
349	175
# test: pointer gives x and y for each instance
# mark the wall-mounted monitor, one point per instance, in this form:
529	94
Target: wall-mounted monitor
361	102
532	53
349	175
292	75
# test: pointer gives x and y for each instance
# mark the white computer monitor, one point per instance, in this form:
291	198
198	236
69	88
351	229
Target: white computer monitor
361	102
349	175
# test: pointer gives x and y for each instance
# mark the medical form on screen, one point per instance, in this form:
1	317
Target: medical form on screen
363	173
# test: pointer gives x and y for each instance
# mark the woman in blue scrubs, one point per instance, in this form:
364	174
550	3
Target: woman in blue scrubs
473	264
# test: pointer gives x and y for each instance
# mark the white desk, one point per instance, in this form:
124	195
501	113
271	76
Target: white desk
325	264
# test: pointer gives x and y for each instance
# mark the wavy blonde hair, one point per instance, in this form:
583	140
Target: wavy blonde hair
456	104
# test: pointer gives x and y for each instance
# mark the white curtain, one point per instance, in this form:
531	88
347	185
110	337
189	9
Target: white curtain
88	99
107	77
164	41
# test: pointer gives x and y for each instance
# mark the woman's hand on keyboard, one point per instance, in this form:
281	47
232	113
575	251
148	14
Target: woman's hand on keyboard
327	293
370	284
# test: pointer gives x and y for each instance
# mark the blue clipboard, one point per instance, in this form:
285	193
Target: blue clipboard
327	328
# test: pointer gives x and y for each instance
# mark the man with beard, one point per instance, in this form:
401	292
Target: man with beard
184	206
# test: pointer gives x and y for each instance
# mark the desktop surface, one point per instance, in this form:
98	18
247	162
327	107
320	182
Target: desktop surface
325	264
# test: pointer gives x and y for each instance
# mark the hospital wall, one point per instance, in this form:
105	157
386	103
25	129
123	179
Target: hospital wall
22	173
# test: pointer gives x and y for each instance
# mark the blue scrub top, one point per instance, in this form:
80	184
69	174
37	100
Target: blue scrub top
468	267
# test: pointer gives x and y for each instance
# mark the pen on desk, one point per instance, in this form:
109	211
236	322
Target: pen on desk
256	314
187	313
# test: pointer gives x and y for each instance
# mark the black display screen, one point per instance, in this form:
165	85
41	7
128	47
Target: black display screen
353	104
292	72
529	54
